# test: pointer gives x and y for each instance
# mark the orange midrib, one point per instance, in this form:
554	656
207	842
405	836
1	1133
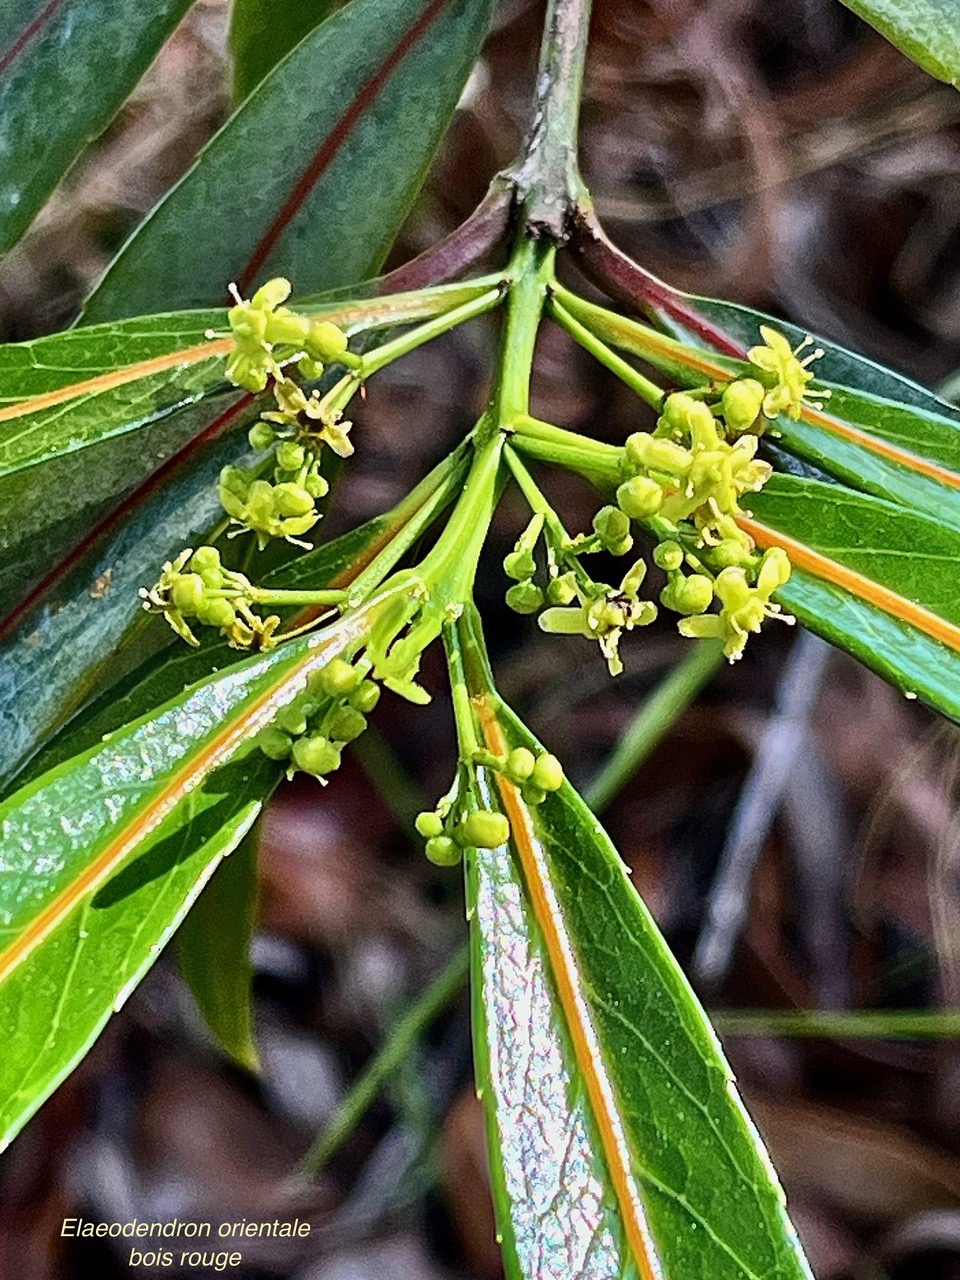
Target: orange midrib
159	364
821	566
139	825
116	378
535	882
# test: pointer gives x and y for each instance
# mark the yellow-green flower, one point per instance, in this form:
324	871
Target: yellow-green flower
783	373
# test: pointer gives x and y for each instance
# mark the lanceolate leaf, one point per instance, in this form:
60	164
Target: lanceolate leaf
264	31
871	577
661	1173
321	162
925	30
68	392
66	66
46	510
102	855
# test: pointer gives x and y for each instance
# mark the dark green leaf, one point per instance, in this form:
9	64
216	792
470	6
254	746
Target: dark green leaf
264	31
213	946
316	170
58	648
928	31
66	66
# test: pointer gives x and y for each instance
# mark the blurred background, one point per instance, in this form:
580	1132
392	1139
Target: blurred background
795	834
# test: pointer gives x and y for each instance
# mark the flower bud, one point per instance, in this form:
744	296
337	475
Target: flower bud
611	525
290	456
261	435
524	597
520	764
563	589
325	341
187	593
677	410
668	555
688	595
316	485
366	697
429	825
291	500
217	613
292	719
274	744
640	497
346	724
442	851
519	565
547	773
338	678
741	403
483	829
316	756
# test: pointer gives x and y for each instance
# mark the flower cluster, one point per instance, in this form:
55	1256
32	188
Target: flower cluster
310	732
578	604
195	587
267	335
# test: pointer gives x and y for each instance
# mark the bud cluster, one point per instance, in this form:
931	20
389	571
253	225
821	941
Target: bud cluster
195	587
311	731
267	334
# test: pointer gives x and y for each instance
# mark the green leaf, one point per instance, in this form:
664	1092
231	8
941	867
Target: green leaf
103	854
925	30
264	31
903	552
59	512
619	1145
66	67
313	174
213	946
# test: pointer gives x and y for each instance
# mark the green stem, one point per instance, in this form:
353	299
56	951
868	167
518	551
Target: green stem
425	503
596	461
647	391
547	179
383	355
656	715
531	272
450	568
385	1063
263	595
687	365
